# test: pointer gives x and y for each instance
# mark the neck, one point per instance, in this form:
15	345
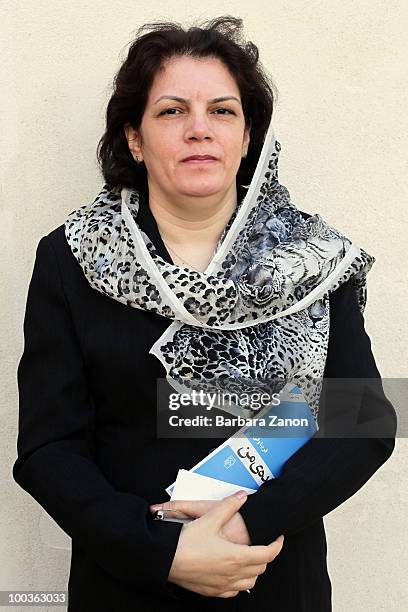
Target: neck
192	222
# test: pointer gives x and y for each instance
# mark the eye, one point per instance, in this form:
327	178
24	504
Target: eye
167	111
226	109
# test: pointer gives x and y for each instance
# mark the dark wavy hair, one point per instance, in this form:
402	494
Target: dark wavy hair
220	37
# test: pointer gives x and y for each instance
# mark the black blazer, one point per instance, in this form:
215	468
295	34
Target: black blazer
88	452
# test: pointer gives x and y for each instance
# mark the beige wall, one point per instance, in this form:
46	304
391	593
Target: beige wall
340	67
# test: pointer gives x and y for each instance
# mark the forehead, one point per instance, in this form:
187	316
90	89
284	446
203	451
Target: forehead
193	78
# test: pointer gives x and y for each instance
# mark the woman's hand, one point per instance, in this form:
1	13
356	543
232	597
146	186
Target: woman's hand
206	562
234	530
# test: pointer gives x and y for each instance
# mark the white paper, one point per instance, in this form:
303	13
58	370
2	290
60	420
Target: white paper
192	486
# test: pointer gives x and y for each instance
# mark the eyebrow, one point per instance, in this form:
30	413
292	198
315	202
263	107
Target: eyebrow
214	100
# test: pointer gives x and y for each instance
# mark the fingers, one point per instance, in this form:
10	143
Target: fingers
223	591
227	594
252	571
233	588
224	510
259	554
220	567
277	544
169	509
237	585
174	513
197	508
244	584
228	585
185	508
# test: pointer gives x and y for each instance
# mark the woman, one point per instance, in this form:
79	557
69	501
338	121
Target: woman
182	269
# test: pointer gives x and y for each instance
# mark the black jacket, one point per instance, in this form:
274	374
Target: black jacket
88	451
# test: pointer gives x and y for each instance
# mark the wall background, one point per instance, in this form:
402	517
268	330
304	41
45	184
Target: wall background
341	71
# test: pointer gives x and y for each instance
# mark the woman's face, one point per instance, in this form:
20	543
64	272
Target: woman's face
172	130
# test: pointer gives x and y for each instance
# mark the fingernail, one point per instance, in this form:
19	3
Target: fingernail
155	507
240	494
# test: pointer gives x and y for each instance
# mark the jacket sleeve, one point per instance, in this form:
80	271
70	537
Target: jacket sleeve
55	462
326	471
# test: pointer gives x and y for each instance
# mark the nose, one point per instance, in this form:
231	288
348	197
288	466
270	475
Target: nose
198	127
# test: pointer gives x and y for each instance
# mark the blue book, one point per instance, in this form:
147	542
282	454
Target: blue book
257	452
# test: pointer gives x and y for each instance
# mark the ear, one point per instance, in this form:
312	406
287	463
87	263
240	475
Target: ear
132	138
246	139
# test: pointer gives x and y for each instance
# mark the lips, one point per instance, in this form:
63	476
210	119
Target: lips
200	158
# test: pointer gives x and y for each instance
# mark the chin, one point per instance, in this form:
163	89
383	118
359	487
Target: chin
201	188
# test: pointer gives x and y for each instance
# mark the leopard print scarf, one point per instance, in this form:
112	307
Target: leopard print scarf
258	316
